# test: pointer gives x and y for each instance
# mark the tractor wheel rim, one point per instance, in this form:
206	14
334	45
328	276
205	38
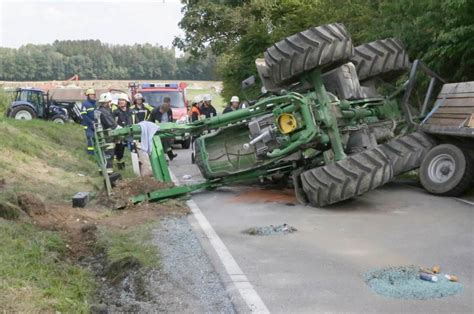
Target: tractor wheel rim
442	168
23	115
58	120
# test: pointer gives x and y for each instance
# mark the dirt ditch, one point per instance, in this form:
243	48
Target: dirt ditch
124	284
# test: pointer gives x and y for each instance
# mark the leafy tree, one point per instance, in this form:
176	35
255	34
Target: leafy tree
92	59
438	32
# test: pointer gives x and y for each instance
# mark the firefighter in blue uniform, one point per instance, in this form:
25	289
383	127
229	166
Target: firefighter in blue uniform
87	112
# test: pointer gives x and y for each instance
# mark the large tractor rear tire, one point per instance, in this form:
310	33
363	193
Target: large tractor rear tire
386	58
447	170
22	113
346	178
326	47
406	153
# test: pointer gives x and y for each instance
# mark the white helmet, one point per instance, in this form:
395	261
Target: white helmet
235	99
197	99
124	97
105	97
207	97
138	96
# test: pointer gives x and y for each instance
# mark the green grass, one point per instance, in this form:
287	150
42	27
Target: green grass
5	99
35	277
217	101
134	242
45	158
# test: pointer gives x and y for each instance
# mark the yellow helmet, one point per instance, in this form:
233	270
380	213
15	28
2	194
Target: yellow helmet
90	91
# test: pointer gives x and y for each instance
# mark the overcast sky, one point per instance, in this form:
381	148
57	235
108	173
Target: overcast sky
110	21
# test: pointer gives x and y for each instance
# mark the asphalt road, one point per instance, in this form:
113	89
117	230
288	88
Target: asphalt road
320	267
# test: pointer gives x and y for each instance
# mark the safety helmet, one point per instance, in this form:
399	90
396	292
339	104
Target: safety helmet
234	99
105	97
207	97
124	97
197	99
90	91
138	96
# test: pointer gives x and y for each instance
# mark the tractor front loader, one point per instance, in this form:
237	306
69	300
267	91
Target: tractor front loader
325	128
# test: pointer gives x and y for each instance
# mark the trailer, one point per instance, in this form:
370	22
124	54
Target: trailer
448	168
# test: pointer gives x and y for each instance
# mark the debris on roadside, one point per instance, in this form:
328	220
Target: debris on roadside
270	230
428	277
80	199
412	282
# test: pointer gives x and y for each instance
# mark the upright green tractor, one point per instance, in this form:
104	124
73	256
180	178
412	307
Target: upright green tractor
323	125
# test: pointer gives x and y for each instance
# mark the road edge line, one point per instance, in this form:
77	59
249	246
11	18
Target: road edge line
237	277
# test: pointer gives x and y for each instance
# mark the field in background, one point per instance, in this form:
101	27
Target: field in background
194	87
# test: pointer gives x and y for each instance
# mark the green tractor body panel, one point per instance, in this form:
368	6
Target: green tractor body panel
290	134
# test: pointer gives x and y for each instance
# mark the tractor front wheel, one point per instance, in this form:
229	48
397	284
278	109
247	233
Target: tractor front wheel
59	119
22	113
446	170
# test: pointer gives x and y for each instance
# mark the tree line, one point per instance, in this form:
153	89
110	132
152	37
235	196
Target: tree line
439	32
92	59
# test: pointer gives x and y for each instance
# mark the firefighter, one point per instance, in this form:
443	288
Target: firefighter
163	114
123	117
107	121
87	113
234	104
195	112
140	109
207	109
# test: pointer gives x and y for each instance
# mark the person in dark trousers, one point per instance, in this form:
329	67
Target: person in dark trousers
234	104
123	117
107	121
163	114
87	113
195	111
140	109
207	108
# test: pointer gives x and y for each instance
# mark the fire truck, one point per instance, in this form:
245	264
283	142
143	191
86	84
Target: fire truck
154	93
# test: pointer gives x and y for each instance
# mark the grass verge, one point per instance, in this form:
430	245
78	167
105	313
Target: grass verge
132	242
46	158
34	274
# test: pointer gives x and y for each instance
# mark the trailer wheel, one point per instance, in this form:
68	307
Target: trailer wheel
346	178
22	113
446	170
407	152
326	46
59	119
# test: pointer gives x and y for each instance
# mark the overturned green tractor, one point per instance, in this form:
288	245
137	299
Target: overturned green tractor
322	126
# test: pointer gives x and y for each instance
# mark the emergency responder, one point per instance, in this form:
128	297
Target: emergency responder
107	121
123	117
87	113
140	109
163	114
195	112
207	109
234	104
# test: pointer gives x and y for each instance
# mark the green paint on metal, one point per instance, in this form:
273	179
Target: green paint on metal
158	161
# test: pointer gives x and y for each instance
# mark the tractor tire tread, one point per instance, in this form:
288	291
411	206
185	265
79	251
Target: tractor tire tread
406	153
324	46
386	56
346	178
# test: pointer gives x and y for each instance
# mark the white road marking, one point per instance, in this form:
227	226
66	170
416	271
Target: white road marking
464	201
241	282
